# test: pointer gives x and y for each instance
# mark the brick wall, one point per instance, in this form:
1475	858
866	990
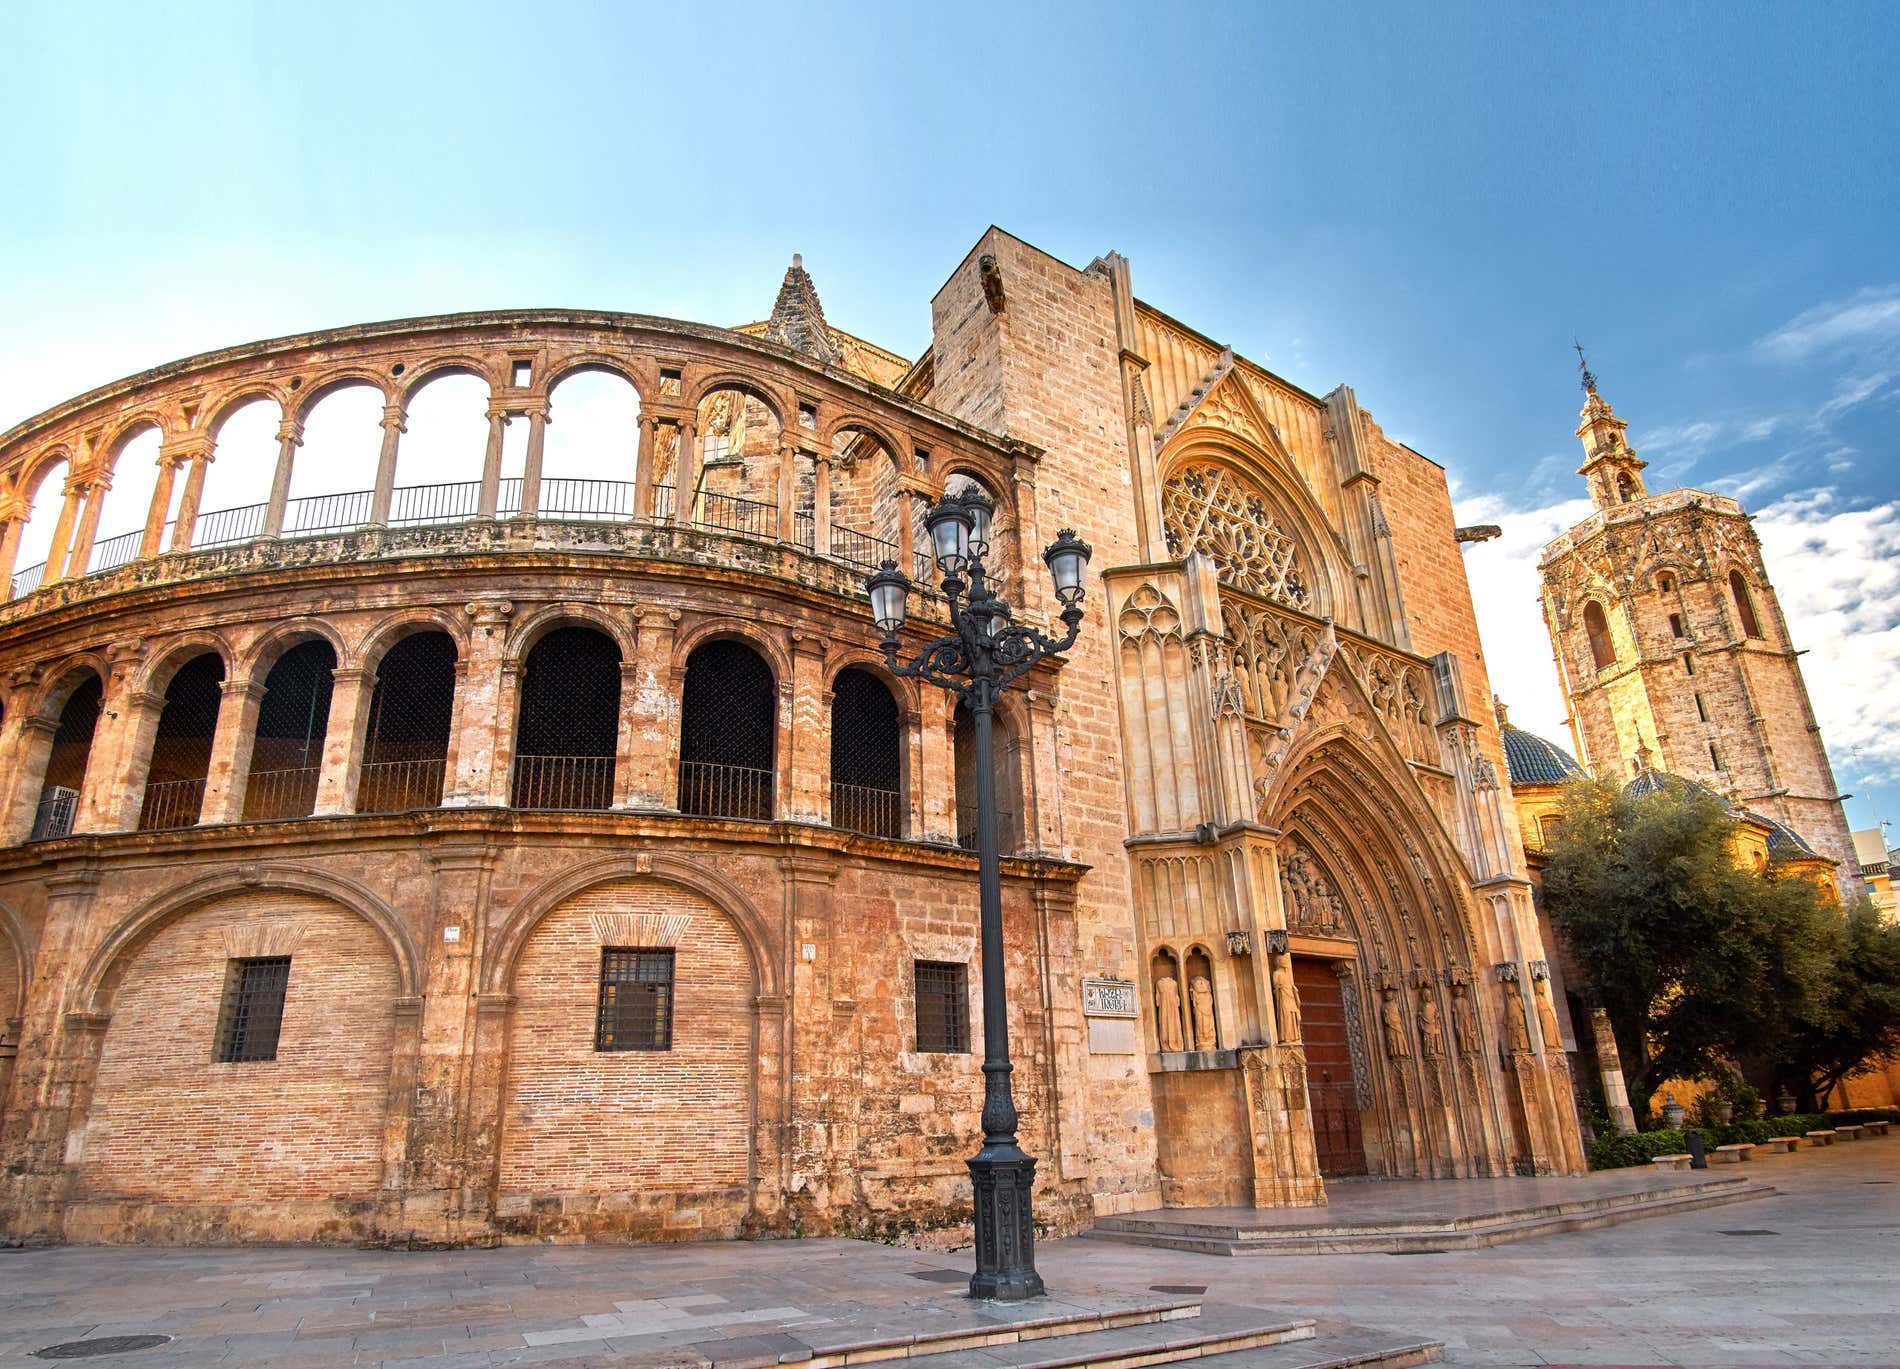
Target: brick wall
577	1120
169	1122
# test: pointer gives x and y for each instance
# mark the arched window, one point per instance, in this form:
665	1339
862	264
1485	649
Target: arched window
1744	604
1212	510
407	746
728	733
287	756
1009	785
181	749
1665	582
1602	650
567	730
866	756
66	763
1625	487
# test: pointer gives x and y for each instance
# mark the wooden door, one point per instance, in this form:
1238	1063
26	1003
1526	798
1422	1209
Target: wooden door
1329	1077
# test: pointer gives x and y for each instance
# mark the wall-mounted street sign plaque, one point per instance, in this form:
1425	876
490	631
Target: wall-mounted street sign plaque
1108	998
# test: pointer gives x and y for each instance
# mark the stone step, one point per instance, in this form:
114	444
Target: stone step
1418	1236
1339	1347
1218	1331
968	1325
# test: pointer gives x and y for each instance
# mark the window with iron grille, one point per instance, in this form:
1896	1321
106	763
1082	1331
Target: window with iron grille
407	745
866	756
252	1015
287	756
66	762
636	1000
943	1007
181	749
728	733
568	726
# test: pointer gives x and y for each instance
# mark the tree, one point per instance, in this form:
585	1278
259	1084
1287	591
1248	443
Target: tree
1861	1024
1696	961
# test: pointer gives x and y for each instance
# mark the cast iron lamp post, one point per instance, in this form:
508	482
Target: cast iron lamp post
982	655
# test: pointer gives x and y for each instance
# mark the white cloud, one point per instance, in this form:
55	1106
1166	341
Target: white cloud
1871	314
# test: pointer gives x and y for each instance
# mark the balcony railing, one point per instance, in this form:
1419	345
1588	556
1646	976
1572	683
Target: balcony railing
400	786
861	808
585	782
459	501
171	803
275	794
708	790
59	806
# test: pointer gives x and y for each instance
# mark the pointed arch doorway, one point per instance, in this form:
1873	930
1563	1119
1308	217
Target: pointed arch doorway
1332	1087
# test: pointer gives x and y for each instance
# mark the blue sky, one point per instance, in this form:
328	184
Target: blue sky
1427	202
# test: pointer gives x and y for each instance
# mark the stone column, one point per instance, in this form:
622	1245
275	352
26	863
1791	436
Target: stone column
479	1167
627	737
13	515
189	502
123	798
643	460
818	1083
807	791
491	462
31	753
651	706
907	533
169	459
289	438
787	489
934	782
1616	1094
116	733
686	475
477	724
230	767
62	531
78	560
538	415
821	505
394	426
352	690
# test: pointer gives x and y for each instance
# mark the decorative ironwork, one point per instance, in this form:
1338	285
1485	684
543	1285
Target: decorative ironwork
728	733
943	1007
1210	509
636	1000
291	722
407	745
567	730
57	811
866	755
181	748
251	1017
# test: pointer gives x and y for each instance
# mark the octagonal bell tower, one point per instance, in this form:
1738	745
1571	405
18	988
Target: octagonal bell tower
1672	648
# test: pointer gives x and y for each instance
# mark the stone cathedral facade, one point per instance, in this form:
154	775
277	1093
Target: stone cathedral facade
524	853
1674	654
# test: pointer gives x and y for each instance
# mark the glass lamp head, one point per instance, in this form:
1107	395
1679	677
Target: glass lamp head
1067	557
982	515
889	591
948	525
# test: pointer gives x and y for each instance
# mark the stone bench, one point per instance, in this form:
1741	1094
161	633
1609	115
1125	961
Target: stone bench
1847	1133
1875	1128
1781	1145
1671	1161
1732	1155
1820	1138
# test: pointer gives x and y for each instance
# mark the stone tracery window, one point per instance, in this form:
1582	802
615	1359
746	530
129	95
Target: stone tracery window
1212	510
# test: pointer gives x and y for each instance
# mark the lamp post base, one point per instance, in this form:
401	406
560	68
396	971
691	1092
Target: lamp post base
1001	1177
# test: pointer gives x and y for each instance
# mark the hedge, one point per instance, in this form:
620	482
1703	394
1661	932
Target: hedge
1622	1152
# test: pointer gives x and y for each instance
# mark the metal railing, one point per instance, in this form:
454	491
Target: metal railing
709	790
28	580
399	786
862	808
601	500
861	549
585	782
320	513
454	502
171	803
59	807
115	551
729	513
274	794
227	526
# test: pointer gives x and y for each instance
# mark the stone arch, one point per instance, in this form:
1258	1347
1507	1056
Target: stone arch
63	679
16	959
749	632
256	661
133	426
895	445
571	364
778	404
344	378
35	469
1599	637
93	989
163	663
525	632
423	373
1742	595
245	393
375	643
905	690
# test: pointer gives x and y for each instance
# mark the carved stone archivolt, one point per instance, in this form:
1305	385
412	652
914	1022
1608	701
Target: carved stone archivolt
1213	510
1312	904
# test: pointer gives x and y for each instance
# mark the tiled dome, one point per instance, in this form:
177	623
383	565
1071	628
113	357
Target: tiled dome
1535	761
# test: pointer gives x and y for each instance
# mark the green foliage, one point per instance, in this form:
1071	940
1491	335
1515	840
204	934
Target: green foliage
1697	962
1622	1152
1860	1020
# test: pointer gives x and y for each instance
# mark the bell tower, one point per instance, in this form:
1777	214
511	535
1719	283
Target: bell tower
1671	645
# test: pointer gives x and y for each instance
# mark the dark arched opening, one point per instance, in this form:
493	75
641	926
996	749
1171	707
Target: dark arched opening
287	756
569	722
728	733
407	746
1597	627
66	763
1009	788
181	749
1744	604
867	756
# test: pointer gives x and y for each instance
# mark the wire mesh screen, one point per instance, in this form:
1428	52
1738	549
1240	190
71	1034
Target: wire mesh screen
943	1007
866	756
568	726
636	1000
728	731
181	749
251	1018
66	762
407	745
1009	831
287	755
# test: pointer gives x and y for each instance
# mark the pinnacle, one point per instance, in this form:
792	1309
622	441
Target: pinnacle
798	319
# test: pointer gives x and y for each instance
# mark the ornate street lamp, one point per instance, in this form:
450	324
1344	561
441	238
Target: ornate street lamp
982	655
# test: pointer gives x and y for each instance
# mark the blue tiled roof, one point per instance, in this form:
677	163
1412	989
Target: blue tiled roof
1533	760
1784	843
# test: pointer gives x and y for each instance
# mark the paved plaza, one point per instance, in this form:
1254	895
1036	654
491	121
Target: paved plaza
1805	1277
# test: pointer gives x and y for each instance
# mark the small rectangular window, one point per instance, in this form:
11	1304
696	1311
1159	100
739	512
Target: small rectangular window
523	374
1675	625
669	382
636	1000
251	1017
1688	664
1701	709
808	416
943	1007
1715	757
